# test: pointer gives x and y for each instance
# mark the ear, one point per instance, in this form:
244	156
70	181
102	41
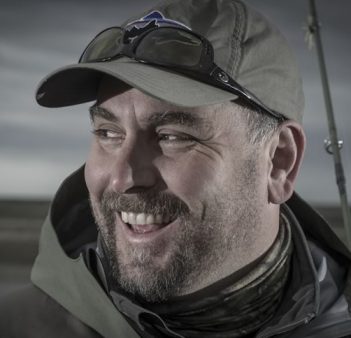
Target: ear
286	150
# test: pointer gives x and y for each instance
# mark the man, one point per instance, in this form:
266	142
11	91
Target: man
184	221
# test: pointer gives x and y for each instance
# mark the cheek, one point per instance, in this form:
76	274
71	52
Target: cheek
96	175
191	178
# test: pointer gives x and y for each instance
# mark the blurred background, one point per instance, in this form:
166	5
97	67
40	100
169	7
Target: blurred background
39	147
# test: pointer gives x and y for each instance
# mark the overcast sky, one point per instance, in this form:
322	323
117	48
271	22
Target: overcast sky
39	147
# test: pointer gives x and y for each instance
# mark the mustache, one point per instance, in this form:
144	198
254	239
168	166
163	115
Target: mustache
144	202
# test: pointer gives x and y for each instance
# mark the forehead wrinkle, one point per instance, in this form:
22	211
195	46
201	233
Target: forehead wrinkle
98	111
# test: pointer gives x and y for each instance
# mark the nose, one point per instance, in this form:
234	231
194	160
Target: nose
133	168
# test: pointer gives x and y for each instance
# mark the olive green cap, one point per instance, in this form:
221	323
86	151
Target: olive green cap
246	45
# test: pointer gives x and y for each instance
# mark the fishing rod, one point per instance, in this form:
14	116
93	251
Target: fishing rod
332	145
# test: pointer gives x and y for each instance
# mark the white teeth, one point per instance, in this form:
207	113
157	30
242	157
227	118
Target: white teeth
131	218
142	218
150	219
158	219
124	217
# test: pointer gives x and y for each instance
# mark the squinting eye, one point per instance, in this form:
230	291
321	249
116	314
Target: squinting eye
175	138
166	137
107	135
104	133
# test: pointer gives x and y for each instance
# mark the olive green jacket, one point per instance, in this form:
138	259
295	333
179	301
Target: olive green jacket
65	300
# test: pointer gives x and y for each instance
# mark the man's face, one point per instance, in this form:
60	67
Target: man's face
177	193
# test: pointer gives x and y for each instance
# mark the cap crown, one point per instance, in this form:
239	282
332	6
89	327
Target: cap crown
246	45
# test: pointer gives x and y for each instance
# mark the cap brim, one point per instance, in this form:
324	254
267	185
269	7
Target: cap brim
79	83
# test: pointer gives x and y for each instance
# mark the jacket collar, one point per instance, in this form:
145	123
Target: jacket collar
67	280
71	284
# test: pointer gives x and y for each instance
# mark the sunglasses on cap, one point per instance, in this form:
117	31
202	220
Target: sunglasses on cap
174	48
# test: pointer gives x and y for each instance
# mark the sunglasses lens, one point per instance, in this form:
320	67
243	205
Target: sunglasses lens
106	45
170	46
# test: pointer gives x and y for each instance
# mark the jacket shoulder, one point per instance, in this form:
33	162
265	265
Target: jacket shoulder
28	312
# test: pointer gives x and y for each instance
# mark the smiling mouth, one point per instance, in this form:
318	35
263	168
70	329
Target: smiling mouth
142	223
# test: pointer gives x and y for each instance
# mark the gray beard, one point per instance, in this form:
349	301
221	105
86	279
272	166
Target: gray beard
201	244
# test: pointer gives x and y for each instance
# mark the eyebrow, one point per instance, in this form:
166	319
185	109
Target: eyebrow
182	118
176	117
97	111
